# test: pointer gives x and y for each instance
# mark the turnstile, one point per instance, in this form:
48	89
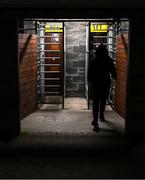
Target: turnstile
103	32
50	62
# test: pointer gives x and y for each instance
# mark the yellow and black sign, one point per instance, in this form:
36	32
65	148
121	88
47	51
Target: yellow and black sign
54	27
96	27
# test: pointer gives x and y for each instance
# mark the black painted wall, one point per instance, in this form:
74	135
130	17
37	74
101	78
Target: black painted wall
9	91
135	102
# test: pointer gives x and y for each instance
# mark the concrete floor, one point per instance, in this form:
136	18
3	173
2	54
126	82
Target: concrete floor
74	119
58	143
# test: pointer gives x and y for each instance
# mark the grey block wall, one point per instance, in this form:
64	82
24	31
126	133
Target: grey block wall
75	59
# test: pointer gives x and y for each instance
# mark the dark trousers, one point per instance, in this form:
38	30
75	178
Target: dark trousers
99	101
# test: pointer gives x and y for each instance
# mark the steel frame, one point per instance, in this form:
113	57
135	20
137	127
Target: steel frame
40	36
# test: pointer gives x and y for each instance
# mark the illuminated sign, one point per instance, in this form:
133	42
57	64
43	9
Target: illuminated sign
54	27
95	27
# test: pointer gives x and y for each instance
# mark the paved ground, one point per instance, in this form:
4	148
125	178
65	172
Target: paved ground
61	144
69	121
74	119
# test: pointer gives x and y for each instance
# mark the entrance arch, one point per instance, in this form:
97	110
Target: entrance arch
135	97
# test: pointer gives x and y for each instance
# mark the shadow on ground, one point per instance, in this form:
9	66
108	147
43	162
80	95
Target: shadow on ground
42	155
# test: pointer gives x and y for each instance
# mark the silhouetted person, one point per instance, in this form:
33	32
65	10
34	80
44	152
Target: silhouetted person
100	70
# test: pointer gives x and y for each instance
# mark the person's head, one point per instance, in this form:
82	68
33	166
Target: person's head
102	51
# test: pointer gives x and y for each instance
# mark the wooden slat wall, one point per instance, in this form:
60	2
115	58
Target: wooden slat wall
27	74
121	67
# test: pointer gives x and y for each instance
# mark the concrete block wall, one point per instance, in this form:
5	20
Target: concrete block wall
27	74
75	59
121	68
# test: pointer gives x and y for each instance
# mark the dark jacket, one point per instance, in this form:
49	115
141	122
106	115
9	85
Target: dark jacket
100	71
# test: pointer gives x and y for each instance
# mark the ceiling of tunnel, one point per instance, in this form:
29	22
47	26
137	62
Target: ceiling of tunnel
74	3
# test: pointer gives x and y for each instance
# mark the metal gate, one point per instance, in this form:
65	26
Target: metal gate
104	31
52	53
86	65
50	62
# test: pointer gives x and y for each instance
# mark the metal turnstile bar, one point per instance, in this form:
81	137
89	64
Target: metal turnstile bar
54	79
50	92
104	37
49	72
49	57
49	65
104	44
49	85
47	43
47	36
50	51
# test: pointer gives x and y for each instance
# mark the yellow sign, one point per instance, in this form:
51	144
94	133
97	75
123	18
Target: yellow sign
54	27
95	27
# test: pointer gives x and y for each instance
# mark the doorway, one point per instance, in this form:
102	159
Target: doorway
60	60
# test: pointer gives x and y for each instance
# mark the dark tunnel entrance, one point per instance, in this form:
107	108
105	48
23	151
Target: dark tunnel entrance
53	62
